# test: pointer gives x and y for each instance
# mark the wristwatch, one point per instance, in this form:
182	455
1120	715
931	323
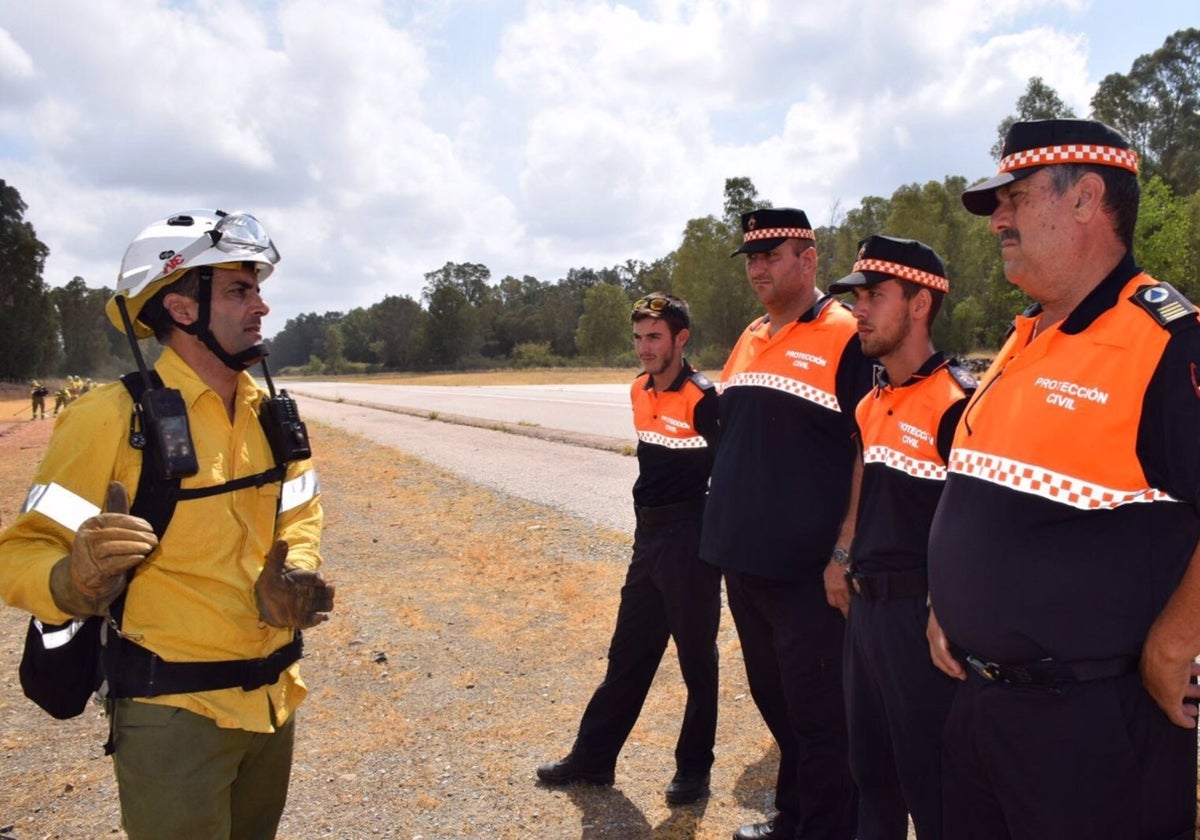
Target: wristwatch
840	556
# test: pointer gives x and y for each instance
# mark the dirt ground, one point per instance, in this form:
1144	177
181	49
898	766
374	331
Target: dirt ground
469	632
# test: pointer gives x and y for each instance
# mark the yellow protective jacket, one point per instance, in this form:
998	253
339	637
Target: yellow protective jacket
193	598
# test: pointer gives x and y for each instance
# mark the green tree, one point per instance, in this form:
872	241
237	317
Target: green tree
401	330
335	346
1193	214
965	327
28	321
713	284
300	339
653	277
837	246
519	318
1157	105
560	313
1163	239
604	326
360	333
462	308
1038	102
86	346
741	196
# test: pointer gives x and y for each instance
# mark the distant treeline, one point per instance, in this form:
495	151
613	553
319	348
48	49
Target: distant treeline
464	319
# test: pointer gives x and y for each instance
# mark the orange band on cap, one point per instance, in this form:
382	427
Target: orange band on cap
1075	153
904	272
779	233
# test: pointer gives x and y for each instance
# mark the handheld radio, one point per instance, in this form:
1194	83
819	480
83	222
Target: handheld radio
163	416
282	425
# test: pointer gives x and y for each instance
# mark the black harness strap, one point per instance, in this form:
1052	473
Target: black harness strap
156	496
134	671
141	673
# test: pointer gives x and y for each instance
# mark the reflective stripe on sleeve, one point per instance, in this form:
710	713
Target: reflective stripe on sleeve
1048	484
693	442
58	638
299	490
903	462
59	504
794	387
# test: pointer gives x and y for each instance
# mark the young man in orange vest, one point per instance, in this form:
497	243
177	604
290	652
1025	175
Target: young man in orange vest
780	518
668	591
1065	551
896	700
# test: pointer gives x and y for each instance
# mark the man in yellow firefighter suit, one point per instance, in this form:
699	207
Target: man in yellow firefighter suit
37	397
229	584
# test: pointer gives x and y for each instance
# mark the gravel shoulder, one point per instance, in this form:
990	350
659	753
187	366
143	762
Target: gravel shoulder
470	629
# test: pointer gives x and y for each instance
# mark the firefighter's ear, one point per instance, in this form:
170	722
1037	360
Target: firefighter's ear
181	308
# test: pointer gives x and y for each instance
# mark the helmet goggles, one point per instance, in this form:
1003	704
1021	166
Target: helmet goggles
239	235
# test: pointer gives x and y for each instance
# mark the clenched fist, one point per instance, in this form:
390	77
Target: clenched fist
106	546
291	597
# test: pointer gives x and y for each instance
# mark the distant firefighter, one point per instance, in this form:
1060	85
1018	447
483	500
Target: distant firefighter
62	397
37	396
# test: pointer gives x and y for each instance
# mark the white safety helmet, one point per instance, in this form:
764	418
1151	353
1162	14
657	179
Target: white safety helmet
161	253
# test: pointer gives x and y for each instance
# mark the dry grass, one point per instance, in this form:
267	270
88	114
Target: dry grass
470	630
537	376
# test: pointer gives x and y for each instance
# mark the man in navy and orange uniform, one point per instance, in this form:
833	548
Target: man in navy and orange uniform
780	517
1063	554
896	700
668	591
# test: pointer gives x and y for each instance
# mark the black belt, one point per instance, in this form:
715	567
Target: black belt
141	673
880	586
661	514
1049	672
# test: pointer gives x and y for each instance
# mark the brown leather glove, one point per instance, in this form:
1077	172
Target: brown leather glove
106	546
291	597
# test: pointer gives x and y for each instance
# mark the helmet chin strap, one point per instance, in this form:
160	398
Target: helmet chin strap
200	328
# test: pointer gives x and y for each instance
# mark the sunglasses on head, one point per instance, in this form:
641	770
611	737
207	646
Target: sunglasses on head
655	304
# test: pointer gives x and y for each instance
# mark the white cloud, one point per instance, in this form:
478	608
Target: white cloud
16	65
379	140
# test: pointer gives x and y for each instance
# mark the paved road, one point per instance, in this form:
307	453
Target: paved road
600	410
585	481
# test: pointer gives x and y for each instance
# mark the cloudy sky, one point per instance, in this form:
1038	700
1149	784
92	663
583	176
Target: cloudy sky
378	140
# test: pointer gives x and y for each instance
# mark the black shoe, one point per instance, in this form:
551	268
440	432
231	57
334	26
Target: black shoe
769	830
686	788
570	770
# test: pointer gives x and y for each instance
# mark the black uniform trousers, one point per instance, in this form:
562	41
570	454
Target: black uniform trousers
792	646
1093	759
669	592
897	702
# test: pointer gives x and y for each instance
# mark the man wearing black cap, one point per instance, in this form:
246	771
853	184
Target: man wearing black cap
779	520
1063	553
896	700
668	592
